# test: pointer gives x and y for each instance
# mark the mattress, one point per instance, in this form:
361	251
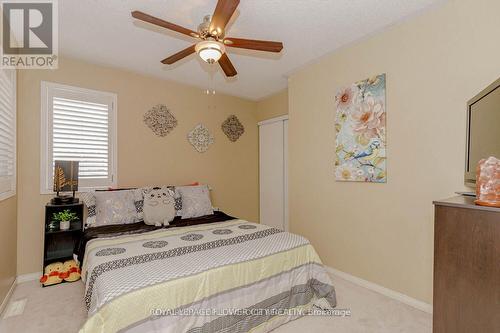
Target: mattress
231	276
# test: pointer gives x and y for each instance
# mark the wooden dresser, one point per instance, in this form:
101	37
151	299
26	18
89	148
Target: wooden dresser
466	267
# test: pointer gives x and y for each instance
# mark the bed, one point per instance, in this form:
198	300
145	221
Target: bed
211	274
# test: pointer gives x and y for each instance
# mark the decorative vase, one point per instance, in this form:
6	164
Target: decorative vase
488	182
64	225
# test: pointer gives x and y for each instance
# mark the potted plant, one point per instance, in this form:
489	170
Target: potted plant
64	218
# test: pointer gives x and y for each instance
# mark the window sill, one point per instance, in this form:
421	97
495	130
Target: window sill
7	195
80	190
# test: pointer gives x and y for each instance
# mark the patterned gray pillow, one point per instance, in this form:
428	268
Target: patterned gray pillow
115	207
139	201
89	201
195	201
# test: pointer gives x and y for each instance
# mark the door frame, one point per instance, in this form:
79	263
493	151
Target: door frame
273	120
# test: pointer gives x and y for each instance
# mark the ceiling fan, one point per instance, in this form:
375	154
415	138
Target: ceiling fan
211	33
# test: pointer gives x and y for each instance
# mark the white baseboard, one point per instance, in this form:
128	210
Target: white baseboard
7	297
28	277
422	306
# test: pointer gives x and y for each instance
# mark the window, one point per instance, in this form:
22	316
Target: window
7	133
79	125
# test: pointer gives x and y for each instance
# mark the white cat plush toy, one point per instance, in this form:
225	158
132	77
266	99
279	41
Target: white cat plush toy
159	206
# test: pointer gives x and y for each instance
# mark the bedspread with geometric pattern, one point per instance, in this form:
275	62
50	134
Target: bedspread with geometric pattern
232	276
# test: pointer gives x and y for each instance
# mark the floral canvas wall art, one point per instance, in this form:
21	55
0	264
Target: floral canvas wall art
360	132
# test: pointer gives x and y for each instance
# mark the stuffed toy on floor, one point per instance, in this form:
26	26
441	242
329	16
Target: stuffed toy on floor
71	271
52	274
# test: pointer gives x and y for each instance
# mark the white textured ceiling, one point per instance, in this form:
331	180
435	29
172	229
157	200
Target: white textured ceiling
102	31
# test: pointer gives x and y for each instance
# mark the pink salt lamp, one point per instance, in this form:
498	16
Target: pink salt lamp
488	182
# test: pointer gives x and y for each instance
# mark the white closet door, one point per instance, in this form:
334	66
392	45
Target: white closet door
271	153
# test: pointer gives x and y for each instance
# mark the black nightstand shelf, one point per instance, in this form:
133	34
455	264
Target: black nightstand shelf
74	227
59	244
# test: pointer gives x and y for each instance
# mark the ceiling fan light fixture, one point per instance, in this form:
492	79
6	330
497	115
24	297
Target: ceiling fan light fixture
210	51
212	33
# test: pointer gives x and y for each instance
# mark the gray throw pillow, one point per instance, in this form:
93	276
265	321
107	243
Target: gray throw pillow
195	201
89	200
115	207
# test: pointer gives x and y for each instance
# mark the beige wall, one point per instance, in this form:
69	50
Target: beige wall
143	159
7	245
273	106
434	63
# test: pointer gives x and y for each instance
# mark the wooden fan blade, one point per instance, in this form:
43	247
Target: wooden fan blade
227	66
159	22
222	14
179	55
252	44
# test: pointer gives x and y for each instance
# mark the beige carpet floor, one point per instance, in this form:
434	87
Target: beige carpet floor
60	309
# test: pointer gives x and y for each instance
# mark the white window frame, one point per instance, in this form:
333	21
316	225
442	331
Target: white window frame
12	192
46	170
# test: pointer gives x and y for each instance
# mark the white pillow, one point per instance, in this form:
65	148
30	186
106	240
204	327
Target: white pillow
159	206
195	201
115	207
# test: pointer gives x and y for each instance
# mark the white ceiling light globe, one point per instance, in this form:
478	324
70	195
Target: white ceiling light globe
210	51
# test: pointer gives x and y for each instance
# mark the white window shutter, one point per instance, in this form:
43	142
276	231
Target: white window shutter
7	133
81	133
80	125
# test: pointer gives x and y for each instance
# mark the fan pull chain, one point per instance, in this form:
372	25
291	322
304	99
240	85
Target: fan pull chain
210	91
